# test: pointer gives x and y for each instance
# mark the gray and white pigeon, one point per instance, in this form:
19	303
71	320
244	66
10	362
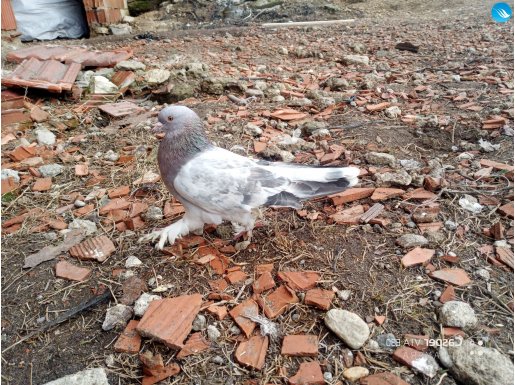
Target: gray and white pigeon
214	184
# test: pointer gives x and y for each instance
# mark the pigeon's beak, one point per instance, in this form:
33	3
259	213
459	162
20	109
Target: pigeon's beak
158	130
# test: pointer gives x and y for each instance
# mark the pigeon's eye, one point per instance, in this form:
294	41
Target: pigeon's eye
169	117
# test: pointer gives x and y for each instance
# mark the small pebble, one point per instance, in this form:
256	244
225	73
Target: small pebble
218	360
328	376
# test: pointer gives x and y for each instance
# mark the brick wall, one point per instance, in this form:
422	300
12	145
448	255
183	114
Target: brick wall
105	11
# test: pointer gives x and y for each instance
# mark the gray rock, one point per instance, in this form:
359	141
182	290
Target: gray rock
96	376
213	333
120	29
45	137
128	19
337	84
344	295
450	225
8	173
88	226
181	91
410	164
157	76
348	326
387	341
199	323
117	316
111	156
372	345
51	170
235	330
458	314
370	81
401	178
358	47
132	261
309	128
196	69
283	51
477	365
444	357
142	303
408	241
153	213
102	85
356	59
381	158
392	112
426	365
130	65
252	130
254	92
217	360
101	30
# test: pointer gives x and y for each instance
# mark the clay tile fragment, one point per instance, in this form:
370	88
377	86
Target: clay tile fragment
81	170
383	193
277	302
419	194
351	195
218	284
385	378
235	276
264	282
42	184
299	280
66	270
417	256
419	361
129	341
118	192
260	269
319	298
309	373
195	344
238	313
97	249
115	204
220	312
300	345
457	277
252	353
507	210
154	369
169	320
448	294
419	342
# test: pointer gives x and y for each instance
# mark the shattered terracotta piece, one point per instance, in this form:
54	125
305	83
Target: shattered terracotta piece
220	312
261	269
419	194
115	204
154	369
97	249
380	319
417	256
8	185
309	373
319	298
263	283
38	115
419	342
507	210
132	288
457	277
252	353
117	110
238	313
384	193
448	294
194	345
505	255
350	216
118	192
236	276
450	331
42	184
351	195
385	378
218	284
66	270
299	280
419	361
430	227
277	302
305	345
170	320
129	341
81	170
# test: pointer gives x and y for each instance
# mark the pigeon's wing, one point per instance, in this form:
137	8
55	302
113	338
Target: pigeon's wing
220	181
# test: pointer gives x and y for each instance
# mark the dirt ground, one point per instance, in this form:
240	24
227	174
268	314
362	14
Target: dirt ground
454	38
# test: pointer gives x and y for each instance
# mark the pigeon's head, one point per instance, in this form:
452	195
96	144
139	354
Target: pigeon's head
176	119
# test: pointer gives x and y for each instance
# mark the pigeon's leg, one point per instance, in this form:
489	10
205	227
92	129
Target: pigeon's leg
243	227
175	230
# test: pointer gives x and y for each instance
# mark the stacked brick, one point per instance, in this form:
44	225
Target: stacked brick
105	11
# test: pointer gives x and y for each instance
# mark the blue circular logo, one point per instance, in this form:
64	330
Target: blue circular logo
501	12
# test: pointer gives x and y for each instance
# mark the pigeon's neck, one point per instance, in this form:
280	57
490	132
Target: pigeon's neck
178	148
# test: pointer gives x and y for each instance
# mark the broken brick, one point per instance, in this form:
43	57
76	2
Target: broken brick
505	255
429	227
264	282
66	270
451	258
350	216
194	345
137	208
218	285
302	345
419	194
132	288
236	276
309	373
383	193
432	184
507	210
118	192
239	313
259	146
379	319
120	109
497	231
385	378
115	204
277	302
412	358
170	320
252	353
299	280
449	294
154	369
457	277
8	185
38	115
220	312
260	269
42	184
419	342
129	341
377	107
417	256
450	331
319	298
351	195
98	249
81	170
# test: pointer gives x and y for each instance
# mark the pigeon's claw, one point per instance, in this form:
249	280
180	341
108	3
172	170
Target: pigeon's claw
151	237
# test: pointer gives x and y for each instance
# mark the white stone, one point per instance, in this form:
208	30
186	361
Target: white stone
348	326
96	376
101	85
381	158
8	173
116	316
88	226
128	19
470	203
120	29
458	314
213	333
157	76
408	241
51	170
355	373
199	323
141	304
130	65
45	137
356	59
132	261
392	112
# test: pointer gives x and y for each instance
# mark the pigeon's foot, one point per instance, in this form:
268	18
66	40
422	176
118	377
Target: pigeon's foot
168	234
245	235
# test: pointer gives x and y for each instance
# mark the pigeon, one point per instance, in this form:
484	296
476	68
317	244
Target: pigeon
214	184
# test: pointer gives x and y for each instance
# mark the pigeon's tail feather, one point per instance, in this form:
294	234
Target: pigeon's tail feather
310	189
284	199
